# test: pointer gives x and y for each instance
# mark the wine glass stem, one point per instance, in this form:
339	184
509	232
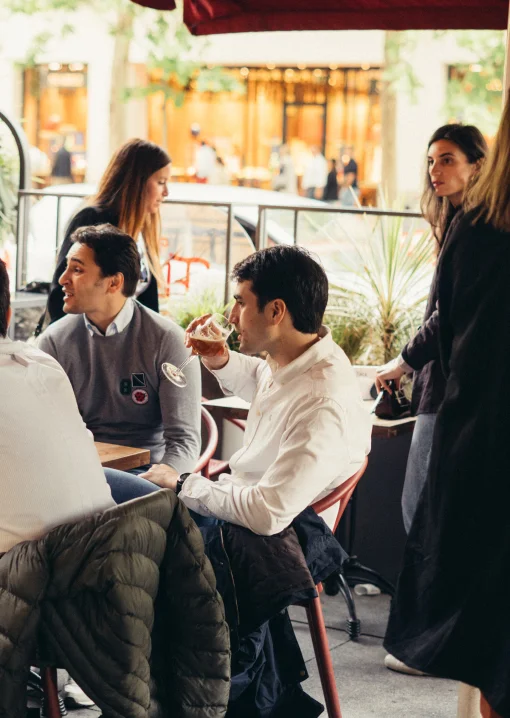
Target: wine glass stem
186	362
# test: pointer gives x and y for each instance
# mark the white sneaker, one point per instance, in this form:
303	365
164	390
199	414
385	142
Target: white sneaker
74	694
395	665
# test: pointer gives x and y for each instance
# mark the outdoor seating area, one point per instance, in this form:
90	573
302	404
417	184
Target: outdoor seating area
253	346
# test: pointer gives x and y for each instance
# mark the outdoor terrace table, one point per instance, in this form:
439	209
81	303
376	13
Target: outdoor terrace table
233	407
114	456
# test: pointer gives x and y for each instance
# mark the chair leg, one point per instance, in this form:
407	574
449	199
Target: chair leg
353	622
355	572
50	688
323	656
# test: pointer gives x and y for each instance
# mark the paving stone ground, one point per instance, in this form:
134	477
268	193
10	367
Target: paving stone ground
367	689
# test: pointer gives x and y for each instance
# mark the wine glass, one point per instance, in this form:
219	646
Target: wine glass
207	339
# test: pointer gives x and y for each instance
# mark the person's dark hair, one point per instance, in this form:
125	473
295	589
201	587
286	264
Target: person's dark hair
439	211
5	298
114	251
289	274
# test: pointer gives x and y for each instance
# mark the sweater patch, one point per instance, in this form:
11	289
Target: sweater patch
140	396
125	387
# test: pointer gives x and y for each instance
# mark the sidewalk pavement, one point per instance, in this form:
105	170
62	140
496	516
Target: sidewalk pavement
367	689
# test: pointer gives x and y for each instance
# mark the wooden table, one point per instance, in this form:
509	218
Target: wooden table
114	456
233	407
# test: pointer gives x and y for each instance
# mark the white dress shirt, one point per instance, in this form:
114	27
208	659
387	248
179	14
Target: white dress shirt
50	471
307	432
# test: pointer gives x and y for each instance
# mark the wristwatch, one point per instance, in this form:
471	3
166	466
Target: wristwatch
180	481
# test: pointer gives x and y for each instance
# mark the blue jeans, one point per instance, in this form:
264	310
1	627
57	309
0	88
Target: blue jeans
126	486
417	466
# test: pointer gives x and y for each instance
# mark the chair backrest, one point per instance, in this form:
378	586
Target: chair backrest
340	495
210	436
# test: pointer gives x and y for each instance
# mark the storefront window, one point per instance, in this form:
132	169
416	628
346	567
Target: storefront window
335	109
55	120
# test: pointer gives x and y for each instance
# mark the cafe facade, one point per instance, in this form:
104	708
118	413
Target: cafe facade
303	89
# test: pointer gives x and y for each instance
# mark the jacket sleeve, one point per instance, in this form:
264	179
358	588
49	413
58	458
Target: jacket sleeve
88	216
424	346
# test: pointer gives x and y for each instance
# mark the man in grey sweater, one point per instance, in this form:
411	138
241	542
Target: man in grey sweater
112	349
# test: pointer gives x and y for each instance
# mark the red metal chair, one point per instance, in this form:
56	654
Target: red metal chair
54	707
486	710
209	430
340	495
188	261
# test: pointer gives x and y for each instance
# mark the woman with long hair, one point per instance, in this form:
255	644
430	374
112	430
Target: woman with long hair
129	197
455	155
450	614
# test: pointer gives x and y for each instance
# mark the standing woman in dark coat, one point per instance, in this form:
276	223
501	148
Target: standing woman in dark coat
450	616
129	197
454	156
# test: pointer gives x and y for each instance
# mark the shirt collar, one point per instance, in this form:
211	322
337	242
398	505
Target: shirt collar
117	325
316	353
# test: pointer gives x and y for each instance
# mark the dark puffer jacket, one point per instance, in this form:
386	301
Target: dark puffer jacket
99	593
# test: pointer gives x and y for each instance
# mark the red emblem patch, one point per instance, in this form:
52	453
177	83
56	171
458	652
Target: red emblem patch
139	396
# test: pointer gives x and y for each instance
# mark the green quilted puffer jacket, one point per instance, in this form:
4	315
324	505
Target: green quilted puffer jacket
126	601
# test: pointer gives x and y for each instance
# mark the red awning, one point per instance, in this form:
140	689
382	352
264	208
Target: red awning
212	17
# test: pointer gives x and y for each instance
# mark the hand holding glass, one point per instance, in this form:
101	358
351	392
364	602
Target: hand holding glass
207	339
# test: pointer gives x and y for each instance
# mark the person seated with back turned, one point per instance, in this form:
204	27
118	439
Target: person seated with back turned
112	348
51	473
307	429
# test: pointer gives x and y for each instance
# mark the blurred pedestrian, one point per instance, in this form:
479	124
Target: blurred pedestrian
350	166
315	174
285	180
219	175
61	172
331	189
205	159
349	191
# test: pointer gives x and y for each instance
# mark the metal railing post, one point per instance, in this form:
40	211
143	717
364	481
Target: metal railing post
295	226
226	293
257	229
57	229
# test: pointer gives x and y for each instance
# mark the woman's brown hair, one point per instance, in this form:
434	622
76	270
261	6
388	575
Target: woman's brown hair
489	198
439	211
123	188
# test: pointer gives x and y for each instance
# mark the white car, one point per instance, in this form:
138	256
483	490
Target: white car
190	228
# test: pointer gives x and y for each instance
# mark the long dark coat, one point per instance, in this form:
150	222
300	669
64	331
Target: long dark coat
451	614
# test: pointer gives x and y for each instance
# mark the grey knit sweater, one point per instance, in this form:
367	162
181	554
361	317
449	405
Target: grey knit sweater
121	392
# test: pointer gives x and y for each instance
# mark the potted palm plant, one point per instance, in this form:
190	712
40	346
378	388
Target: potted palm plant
385	280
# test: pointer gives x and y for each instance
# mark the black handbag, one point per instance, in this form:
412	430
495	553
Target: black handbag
392	406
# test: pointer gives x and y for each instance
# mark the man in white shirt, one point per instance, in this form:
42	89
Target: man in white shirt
50	471
315	175
307	429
